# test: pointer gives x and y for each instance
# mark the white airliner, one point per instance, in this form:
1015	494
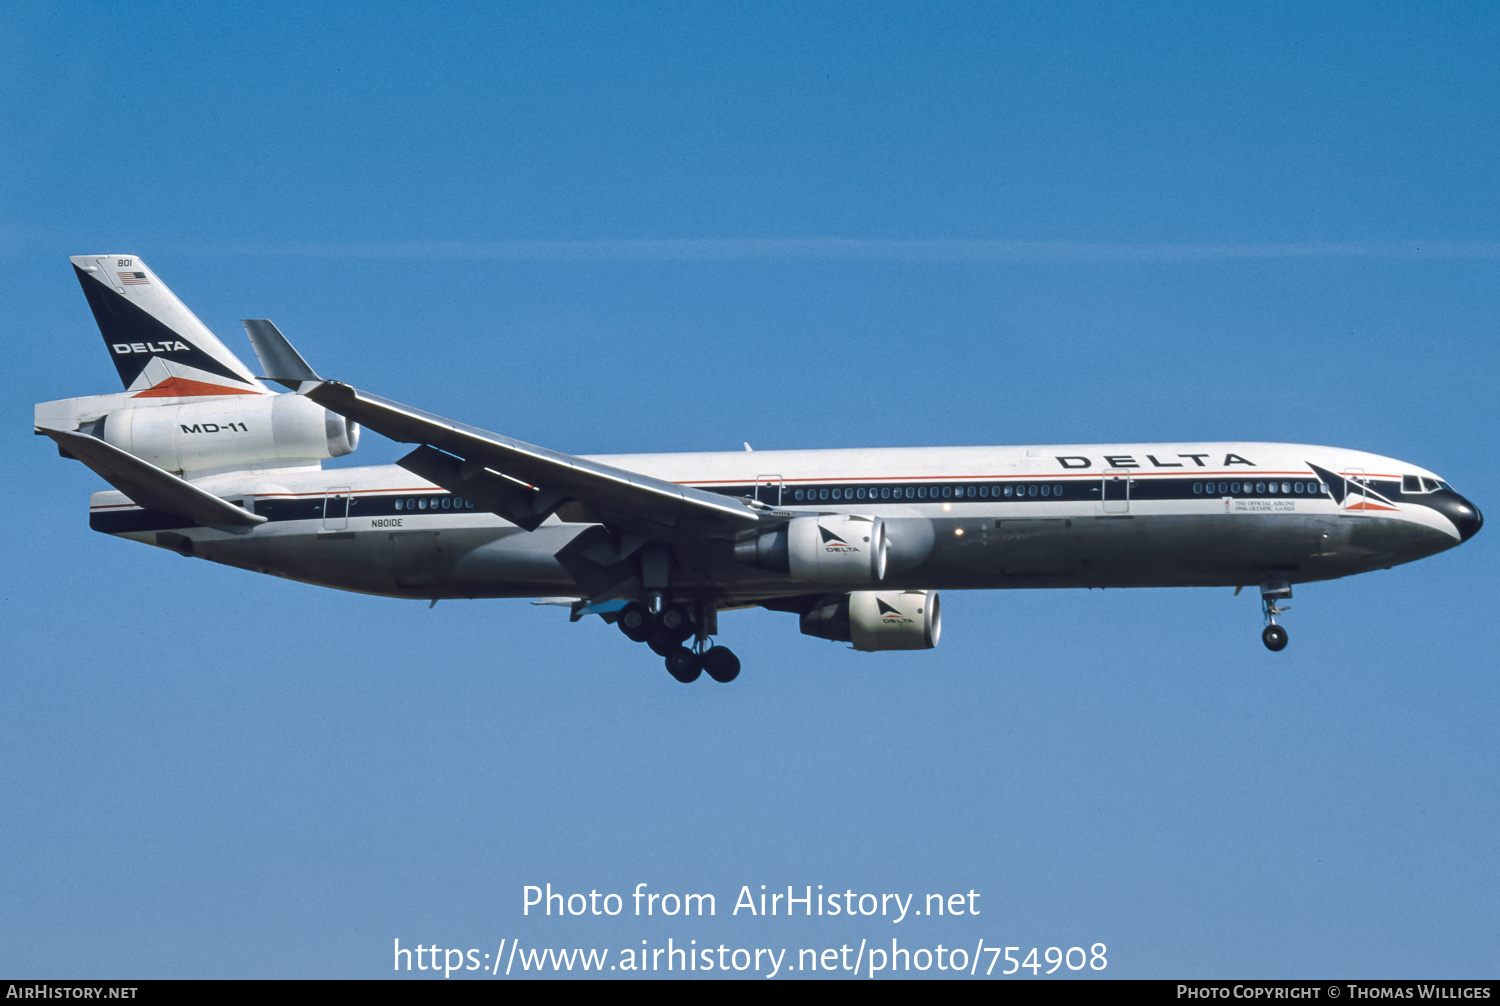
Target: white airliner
208	461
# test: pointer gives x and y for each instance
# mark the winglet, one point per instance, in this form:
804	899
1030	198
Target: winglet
278	359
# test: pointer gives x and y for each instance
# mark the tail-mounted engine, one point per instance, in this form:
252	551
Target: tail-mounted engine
277	431
878	620
836	548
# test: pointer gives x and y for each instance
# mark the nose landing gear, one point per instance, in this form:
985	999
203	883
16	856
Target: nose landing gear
1272	591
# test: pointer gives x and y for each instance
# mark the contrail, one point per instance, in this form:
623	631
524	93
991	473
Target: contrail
834	249
18	240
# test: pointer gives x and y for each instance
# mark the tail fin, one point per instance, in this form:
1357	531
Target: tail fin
160	348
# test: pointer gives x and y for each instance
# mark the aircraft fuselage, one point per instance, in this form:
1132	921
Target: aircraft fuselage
1102	515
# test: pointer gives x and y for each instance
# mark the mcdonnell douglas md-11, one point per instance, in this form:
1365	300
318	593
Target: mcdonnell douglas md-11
208	461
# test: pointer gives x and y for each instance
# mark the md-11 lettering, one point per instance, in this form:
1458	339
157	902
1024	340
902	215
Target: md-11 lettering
214	428
122	348
1129	461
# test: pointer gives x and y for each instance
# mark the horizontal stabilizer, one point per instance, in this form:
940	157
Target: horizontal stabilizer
149	486
279	362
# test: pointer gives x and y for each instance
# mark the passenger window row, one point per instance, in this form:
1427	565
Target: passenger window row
435	503
1260	488
923	493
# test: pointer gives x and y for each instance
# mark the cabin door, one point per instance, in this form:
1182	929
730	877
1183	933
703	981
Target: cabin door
1116	491
768	489
1356	501
336	509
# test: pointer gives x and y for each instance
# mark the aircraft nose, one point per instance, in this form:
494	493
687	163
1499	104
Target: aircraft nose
1464	515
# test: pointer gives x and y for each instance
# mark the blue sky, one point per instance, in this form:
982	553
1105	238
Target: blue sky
679	227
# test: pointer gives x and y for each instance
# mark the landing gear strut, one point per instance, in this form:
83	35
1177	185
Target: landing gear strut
1272	591
667	629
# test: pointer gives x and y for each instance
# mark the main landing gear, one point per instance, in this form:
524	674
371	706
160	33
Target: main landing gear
666	632
1272	591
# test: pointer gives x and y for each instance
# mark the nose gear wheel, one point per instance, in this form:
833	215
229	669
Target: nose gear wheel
1274	636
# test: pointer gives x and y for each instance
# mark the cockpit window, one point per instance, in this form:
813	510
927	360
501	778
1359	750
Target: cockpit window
1411	484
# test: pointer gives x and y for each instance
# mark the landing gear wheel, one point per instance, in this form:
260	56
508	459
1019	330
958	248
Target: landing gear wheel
662	642
684	665
1274	637
721	664
676	622
635	622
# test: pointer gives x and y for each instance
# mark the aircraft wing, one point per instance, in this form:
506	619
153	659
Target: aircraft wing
525	483
150	486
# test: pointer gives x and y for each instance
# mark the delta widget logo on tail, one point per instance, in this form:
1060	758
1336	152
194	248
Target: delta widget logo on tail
159	347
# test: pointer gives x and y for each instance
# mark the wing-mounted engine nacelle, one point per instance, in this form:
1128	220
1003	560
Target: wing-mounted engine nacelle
277	431
836	548
878	620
